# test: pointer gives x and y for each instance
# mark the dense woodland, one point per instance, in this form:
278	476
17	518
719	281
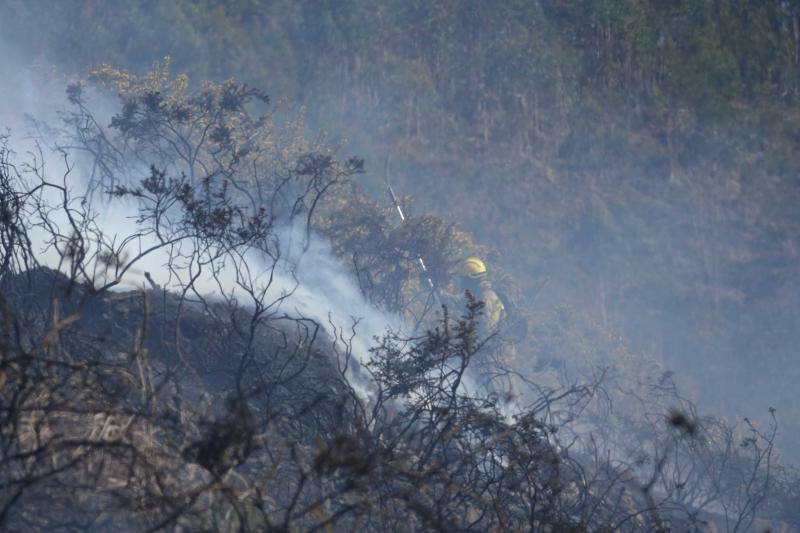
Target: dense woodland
643	151
628	168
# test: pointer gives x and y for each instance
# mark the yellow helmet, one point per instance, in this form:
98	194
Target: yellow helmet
473	268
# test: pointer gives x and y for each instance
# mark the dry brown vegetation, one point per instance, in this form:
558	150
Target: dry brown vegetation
161	408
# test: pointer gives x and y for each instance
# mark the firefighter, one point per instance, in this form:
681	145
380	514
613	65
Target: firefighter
495	363
475	280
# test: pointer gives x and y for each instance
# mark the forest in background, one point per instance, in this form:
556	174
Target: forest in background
634	160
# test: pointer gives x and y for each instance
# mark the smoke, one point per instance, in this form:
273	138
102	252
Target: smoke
306	281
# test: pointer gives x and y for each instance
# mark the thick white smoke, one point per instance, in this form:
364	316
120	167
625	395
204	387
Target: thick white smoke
308	280
318	286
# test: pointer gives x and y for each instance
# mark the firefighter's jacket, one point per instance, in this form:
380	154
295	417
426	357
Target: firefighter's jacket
493	311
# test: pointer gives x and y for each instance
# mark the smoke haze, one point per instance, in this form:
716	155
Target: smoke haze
696	270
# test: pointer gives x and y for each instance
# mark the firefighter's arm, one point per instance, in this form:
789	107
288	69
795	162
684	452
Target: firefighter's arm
493	309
